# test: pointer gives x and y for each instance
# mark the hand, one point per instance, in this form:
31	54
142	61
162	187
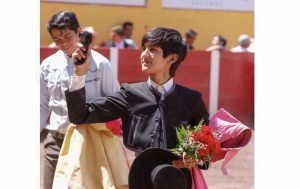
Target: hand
82	69
180	164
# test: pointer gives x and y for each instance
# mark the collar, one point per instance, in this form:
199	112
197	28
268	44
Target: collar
68	59
120	45
168	85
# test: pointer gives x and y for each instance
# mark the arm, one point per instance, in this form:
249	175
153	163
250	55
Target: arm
214	47
99	110
44	100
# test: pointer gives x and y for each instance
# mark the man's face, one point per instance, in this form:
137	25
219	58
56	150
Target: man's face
128	31
115	37
66	39
190	40
152	60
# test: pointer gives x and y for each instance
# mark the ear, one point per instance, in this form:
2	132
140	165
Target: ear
172	58
78	30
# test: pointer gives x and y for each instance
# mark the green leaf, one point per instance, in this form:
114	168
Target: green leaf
178	135
199	125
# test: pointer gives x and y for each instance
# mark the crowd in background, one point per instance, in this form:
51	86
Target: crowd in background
120	37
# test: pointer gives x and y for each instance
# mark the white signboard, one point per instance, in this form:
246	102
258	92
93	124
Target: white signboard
223	5
105	2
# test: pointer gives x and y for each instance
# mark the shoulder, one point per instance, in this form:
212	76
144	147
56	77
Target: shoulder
51	61
134	85
188	91
99	58
236	49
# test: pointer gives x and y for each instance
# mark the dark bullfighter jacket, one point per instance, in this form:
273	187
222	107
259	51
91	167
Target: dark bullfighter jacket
148	118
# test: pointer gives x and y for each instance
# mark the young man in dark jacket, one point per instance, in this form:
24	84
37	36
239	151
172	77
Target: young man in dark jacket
151	110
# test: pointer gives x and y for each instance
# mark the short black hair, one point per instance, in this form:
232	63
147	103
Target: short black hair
171	42
221	38
127	24
63	20
190	33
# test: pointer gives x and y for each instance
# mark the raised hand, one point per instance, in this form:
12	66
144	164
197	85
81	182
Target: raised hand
81	69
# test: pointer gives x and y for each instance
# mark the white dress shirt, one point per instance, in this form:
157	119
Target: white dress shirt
120	45
55	79
239	49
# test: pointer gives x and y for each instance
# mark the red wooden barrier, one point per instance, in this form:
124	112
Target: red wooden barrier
194	73
236	85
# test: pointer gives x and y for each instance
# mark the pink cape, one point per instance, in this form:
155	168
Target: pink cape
235	136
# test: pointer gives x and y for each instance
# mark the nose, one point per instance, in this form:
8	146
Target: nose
145	54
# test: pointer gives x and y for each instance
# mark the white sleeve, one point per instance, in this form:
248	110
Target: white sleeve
77	82
44	102
109	81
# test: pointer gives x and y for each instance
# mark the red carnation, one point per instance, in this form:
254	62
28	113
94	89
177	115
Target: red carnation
196	136
215	146
206	131
204	152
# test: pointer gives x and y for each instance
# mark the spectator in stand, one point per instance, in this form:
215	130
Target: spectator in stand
251	46
218	43
91	29
190	37
117	39
127	30
244	41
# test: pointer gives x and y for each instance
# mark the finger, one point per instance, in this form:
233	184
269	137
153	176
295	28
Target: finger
80	46
76	55
81	53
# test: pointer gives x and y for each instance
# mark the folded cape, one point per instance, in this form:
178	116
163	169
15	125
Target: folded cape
91	158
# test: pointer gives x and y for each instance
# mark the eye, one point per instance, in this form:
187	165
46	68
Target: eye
153	50
143	49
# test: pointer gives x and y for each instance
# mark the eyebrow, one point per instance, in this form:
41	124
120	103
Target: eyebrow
153	45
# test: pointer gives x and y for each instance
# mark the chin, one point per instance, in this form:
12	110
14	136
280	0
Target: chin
145	70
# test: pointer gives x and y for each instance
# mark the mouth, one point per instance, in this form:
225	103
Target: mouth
66	48
145	62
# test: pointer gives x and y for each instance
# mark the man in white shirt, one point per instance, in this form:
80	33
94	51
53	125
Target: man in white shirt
244	41
117	39
55	79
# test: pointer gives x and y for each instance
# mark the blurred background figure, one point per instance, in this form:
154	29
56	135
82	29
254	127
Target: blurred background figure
127	31
91	29
251	46
117	40
218	43
87	28
190	37
244	41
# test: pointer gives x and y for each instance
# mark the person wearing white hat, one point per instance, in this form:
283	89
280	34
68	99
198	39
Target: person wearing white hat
91	29
244	42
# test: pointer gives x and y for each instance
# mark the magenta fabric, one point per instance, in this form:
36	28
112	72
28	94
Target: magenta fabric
198	180
235	136
114	126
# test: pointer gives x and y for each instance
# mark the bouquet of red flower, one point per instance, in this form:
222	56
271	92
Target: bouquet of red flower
200	143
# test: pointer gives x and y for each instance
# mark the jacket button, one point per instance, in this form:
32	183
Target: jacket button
152	133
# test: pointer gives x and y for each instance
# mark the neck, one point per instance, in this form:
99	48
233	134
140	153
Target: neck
118	40
160	79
